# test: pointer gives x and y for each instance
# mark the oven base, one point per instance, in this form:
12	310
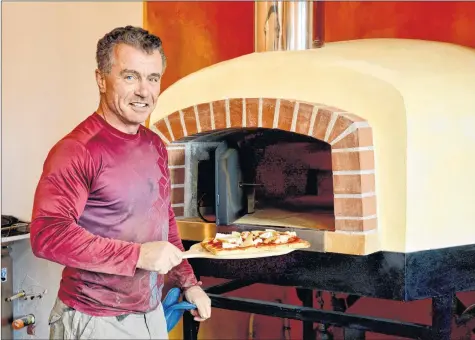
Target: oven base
437	274
384	275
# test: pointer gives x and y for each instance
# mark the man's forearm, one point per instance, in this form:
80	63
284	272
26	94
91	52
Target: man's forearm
64	242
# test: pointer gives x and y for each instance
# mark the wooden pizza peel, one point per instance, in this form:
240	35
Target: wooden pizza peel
197	251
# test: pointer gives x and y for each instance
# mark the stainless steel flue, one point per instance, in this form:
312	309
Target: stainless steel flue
287	25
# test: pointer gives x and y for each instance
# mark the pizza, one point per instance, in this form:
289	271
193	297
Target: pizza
253	241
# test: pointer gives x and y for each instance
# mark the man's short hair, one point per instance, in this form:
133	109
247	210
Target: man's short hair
133	36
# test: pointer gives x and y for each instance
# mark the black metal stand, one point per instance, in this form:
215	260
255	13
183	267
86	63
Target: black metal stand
384	275
354	325
306	296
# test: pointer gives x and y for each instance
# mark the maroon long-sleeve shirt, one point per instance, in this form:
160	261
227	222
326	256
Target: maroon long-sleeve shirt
101	194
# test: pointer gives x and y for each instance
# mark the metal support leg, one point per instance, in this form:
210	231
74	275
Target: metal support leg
342	305
190	327
442	313
306	296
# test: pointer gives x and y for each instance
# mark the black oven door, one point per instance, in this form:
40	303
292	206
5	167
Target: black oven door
229	194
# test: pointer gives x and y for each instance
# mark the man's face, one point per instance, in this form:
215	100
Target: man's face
132	87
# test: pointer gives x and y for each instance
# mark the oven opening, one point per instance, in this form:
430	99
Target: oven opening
206	203
265	177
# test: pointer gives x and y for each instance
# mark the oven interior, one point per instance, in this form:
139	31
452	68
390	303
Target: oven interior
257	176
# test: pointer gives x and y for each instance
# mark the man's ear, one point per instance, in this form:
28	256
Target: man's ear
101	81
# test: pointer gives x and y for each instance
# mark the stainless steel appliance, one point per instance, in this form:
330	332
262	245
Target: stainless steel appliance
7	291
12	229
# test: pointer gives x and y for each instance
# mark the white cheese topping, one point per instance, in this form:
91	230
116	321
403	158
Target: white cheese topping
257	241
227	245
282	239
234	238
267	234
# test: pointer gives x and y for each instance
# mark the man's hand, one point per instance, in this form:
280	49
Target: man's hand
160	256
198	297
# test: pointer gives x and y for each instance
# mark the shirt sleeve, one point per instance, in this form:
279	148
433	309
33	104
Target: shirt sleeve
60	198
181	275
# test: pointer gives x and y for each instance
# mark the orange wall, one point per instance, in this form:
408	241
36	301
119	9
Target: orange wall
448	21
200	34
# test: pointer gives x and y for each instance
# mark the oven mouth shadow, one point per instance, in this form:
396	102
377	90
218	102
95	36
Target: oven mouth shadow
260	176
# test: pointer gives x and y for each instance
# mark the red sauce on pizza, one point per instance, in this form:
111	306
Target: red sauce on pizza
219	244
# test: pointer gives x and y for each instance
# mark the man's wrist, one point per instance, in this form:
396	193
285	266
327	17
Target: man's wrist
196	284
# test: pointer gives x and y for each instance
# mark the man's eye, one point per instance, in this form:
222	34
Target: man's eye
155	79
129	77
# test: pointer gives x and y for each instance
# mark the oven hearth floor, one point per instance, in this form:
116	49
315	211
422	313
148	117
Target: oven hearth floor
322	240
294	219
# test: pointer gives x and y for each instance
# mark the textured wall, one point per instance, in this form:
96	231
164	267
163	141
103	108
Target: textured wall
199	34
202	33
447	21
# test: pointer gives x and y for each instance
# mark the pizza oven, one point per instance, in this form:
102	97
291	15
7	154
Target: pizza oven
311	148
268	160
273	163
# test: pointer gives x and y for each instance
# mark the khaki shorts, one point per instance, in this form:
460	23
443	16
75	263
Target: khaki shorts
67	323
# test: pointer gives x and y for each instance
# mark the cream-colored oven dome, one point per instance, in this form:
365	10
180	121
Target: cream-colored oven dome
418	98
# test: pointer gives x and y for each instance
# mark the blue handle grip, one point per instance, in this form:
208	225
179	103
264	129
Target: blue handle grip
173	309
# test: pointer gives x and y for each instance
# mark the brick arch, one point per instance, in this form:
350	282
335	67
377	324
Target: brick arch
349	135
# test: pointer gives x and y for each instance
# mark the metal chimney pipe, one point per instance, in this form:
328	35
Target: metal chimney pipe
287	25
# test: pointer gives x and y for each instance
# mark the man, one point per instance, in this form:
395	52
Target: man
102	206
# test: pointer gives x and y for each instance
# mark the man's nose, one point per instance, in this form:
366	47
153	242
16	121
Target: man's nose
142	89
